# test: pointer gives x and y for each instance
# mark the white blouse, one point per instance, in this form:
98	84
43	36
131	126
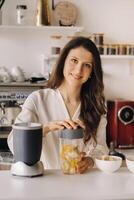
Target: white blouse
48	105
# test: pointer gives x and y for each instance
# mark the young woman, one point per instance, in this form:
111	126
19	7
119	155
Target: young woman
73	97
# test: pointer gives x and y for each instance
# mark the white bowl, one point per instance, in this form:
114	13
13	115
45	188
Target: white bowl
130	163
108	164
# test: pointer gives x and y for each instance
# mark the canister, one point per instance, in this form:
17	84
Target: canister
100	49
56	44
43	13
21	14
98	38
122	49
130	49
111	49
71	144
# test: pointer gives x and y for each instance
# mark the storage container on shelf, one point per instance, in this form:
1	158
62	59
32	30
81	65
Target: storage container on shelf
122	49
100	49
56	44
130	49
111	49
21	14
98	38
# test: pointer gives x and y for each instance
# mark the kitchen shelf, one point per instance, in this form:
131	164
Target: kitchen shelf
44	28
125	57
22	84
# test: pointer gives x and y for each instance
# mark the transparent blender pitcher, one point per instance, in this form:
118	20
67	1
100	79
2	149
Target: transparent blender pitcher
71	143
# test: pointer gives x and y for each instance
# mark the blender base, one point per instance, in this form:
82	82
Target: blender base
21	169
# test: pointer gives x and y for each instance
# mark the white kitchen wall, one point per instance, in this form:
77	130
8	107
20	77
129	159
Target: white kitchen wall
114	18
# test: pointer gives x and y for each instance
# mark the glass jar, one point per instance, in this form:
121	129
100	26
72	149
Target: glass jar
122	49
130	49
98	38
55	44
100	49
21	14
71	145
111	49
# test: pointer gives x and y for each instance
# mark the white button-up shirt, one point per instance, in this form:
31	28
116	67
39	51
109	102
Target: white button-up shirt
48	105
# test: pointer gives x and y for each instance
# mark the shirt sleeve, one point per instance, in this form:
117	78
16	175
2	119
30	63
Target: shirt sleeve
28	114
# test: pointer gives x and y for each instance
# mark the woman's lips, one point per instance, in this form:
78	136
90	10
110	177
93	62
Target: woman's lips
77	77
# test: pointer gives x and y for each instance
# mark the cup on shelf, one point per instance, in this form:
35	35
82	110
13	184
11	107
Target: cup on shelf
18	74
5	75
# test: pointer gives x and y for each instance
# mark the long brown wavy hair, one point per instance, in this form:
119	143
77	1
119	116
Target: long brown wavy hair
91	96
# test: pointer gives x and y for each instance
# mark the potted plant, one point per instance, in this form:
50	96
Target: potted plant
1	4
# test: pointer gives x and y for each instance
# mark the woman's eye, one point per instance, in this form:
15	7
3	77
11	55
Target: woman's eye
88	65
73	60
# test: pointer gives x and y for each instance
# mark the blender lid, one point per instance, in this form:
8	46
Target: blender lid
27	126
72	133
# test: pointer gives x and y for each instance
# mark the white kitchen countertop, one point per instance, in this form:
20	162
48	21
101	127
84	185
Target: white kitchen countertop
57	186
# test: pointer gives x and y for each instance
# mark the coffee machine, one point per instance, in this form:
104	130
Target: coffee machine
120	123
8	112
27	146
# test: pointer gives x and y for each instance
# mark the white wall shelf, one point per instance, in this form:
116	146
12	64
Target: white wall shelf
44	28
114	57
118	57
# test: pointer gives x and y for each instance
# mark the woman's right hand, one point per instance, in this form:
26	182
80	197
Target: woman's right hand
60	125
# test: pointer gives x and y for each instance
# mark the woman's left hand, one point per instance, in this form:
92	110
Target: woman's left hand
84	163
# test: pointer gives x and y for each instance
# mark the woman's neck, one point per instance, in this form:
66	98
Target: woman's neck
70	94
71	99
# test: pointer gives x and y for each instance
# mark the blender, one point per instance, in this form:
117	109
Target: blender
71	147
27	146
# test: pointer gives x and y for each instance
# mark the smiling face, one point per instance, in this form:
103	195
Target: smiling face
78	67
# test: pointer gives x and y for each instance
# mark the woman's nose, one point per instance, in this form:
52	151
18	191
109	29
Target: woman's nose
79	68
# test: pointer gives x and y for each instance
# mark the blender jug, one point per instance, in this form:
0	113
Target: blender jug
27	143
71	144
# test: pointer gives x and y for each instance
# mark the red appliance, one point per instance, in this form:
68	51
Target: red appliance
120	125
